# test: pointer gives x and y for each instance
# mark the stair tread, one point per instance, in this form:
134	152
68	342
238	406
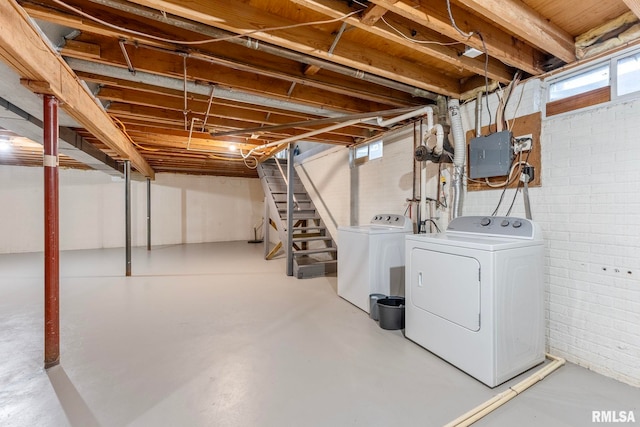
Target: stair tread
307	210
314	251
311	238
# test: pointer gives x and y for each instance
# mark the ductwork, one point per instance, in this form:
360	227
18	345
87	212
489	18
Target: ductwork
459	147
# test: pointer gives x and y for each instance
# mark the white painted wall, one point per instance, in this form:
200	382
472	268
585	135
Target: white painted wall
350	196
184	209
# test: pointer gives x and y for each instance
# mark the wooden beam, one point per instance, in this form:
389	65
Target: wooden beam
241	17
82	50
634	5
200	106
167	117
233	56
500	44
526	23
170	64
36	60
372	14
450	55
311	70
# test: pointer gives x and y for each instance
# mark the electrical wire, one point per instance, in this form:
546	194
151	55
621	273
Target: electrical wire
504	189
123	128
515	194
205	41
486	75
515	112
415	40
453	22
435	224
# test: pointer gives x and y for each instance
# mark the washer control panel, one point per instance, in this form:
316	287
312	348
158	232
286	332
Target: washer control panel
494	226
392	220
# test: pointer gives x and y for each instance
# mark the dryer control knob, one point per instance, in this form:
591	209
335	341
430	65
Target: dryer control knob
504	222
517	224
485	221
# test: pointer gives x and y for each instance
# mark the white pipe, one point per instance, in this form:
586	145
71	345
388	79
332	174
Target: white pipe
439	132
459	147
495	402
308	134
424	110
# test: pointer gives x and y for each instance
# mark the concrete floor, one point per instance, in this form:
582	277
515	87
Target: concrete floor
211	334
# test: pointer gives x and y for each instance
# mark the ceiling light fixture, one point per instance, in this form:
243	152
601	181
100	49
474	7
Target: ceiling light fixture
5	145
472	52
233	147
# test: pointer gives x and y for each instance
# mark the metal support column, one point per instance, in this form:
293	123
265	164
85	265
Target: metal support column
148	214
51	235
290	189
266	226
127	214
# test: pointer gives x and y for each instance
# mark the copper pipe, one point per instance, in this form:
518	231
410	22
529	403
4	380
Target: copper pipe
51	235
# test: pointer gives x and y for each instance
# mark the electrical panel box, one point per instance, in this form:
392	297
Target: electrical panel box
490	155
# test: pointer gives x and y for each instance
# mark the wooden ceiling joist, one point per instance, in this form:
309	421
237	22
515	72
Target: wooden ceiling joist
520	19
499	44
171	65
634	5
35	60
437	49
306	40
282	71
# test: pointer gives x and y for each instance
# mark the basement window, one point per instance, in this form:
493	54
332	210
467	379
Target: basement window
610	80
364	153
628	73
583	82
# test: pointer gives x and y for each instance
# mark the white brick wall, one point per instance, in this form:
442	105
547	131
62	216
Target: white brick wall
589	209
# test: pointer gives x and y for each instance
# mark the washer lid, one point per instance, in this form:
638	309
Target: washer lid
376	229
383	223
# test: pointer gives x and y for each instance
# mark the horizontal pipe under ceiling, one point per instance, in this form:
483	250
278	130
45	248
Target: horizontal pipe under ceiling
200	89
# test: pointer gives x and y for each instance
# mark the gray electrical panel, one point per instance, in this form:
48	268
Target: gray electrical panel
490	155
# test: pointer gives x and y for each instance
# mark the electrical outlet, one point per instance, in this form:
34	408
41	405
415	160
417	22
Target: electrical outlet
523	143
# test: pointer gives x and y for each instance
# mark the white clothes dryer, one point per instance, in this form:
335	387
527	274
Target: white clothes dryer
371	258
475	295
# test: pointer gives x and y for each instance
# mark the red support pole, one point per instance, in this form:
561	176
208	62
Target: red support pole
51	232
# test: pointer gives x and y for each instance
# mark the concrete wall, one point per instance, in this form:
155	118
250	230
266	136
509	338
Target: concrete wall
184	209
588	207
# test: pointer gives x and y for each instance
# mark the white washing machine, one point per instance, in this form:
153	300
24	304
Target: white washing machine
475	295
371	258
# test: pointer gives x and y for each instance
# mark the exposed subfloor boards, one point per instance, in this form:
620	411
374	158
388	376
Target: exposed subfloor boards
211	334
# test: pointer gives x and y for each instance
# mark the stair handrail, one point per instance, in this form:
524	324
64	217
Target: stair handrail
286	182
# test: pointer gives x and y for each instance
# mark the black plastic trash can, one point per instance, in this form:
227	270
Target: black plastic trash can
373	305
391	313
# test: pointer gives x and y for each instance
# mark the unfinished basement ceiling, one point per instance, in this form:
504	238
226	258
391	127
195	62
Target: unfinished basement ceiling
171	73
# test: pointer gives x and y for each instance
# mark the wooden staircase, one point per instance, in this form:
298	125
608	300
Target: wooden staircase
314	251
